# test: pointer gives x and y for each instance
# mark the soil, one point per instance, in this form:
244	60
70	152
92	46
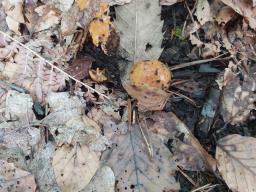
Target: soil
178	50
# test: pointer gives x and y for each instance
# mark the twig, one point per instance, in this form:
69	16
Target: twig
184	96
198	62
53	66
193	20
186	176
207	186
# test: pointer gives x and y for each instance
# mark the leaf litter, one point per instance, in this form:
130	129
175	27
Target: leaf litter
82	142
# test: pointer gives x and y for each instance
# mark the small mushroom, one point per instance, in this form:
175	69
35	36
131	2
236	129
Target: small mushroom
148	81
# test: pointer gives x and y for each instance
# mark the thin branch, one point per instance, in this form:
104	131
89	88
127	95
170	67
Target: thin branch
198	62
53	66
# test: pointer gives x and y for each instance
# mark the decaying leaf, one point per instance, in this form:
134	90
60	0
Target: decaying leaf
41	167
236	162
244	8
74	166
79	68
17	111
15	179
208	49
14	12
32	73
48	17
225	15
140	29
68	125
83	4
238	96
202	161
135	170
169	2
203	11
103	181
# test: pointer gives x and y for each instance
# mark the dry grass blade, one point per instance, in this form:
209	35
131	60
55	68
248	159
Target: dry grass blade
53	66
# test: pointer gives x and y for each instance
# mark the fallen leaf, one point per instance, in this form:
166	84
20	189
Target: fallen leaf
79	68
225	15
236	162
143	29
134	169
33	73
208	49
15	179
244	8
103	181
169	2
202	159
118	2
83	4
80	166
67	123
41	167
203	11
14	12
48	17
238	96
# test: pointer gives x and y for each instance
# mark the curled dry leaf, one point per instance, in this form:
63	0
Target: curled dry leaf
147	82
135	170
74	166
15	179
236	162
244	8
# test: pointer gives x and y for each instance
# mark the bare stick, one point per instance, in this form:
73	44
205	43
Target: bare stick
53	66
192	63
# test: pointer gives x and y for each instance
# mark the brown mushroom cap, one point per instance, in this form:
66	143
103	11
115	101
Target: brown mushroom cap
150	74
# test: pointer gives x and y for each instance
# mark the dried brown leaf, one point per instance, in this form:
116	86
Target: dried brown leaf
236	162
203	11
175	126
103	181
238	96
74	166
79	68
169	2
15	179
135	170
244	8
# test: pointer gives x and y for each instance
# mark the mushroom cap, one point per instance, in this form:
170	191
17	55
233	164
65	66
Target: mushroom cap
150	74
